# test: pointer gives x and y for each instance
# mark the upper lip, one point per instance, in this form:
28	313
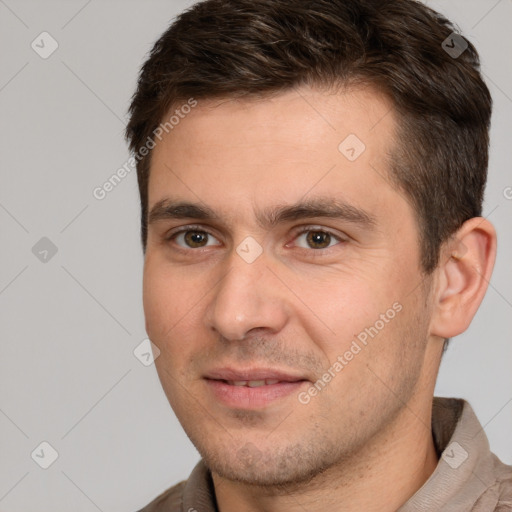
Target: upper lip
232	374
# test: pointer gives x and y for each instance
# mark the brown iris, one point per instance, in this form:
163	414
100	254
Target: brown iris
318	239
196	238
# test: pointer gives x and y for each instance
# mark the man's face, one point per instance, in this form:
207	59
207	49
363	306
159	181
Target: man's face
273	254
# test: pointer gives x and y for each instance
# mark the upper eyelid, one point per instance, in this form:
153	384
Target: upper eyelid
297	230
183	229
305	229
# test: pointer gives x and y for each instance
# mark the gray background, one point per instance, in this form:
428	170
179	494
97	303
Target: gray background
69	325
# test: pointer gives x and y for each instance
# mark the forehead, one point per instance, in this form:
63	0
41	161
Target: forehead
256	152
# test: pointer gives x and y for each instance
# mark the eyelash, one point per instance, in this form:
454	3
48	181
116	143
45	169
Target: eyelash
305	229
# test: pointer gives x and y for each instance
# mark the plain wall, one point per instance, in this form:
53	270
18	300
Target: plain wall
69	325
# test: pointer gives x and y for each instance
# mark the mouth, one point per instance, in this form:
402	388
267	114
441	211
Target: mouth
252	388
253	383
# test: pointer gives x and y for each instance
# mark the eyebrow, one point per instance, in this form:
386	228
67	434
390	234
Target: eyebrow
168	209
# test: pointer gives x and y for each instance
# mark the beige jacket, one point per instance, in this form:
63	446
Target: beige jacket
468	477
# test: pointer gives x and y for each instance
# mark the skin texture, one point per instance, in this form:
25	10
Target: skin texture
296	307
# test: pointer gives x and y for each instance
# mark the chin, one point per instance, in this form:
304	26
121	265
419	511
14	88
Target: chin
271	466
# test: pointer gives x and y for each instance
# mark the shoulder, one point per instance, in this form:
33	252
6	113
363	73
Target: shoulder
169	501
498	494
182	497
503	485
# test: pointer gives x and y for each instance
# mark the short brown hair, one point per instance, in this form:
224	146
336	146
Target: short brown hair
243	48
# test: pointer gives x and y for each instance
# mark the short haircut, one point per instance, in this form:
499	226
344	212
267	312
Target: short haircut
254	48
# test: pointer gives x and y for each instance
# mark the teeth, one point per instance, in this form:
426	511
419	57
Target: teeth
253	383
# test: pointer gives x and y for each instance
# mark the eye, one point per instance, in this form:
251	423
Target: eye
316	239
194	239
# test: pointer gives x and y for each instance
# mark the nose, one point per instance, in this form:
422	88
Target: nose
248	299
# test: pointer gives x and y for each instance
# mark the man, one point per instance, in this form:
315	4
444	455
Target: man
311	179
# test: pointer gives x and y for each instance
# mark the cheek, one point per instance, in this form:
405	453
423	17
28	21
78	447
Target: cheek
174	301
165	298
347	307
342	307
165	308
156	299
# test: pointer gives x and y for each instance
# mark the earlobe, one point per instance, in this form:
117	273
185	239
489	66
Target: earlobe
464	272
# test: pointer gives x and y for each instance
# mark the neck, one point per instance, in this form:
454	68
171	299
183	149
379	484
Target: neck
381	476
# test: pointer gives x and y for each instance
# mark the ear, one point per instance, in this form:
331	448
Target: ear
463	275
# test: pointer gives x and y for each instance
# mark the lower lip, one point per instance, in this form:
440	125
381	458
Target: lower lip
244	397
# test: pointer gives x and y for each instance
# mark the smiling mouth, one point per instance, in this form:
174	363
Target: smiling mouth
253	394
253	383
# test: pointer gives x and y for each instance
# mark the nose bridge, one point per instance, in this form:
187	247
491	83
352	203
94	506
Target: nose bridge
246	298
